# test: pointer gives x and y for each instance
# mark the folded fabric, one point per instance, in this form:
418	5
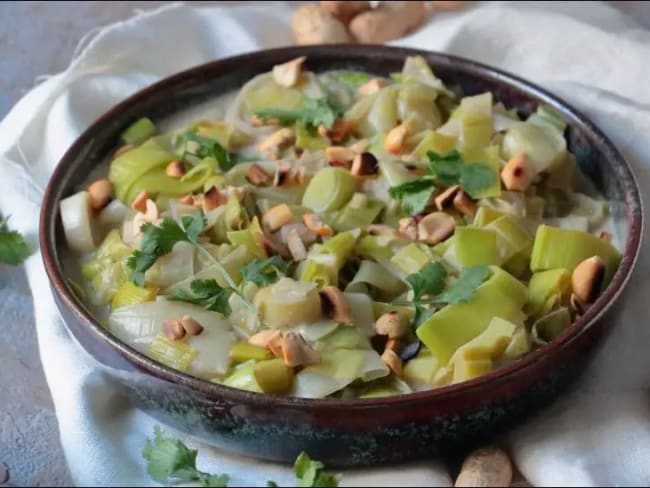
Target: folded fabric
592	56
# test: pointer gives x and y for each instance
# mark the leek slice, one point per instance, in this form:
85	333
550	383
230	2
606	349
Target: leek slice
551	326
290	303
445	331
411	258
139	131
545	284
544	146
329	189
129	167
433	141
562	248
378	277
130	294
476	247
242	377
174	354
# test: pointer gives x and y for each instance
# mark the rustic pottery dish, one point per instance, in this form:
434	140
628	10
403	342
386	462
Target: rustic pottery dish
342	432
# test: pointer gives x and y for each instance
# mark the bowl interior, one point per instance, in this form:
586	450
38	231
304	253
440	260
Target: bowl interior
595	155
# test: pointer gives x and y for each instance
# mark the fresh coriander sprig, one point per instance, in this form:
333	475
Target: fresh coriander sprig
265	272
443	171
169	461
207	294
13	248
204	147
314	112
429	293
160	240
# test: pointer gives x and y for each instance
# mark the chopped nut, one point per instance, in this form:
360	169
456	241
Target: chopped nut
360	146
187	199
392	324
577	306
604	235
270	339
408	228
288	74
436	227
335	305
390	20
191	326
340	154
364	164
394	141
123	149
315	224
175	169
338	132
465	204
394	345
313	25
392	360
140	202
345	10
212	199
272	245
277	216
587	279
277	141
371	86
488	466
296	246
173	330
282	175
448	4
518	173
306	235
296	352
99	193
257	175
446	198
257	121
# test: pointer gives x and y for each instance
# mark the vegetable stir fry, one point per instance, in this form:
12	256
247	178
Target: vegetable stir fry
342	235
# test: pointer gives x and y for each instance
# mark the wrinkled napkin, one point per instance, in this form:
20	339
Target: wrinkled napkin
588	53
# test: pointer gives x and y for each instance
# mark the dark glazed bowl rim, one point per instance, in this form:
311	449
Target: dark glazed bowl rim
471	389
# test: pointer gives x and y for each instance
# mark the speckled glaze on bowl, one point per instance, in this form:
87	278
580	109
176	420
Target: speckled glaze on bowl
356	432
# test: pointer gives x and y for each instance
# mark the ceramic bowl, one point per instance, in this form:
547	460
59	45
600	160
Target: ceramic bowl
350	432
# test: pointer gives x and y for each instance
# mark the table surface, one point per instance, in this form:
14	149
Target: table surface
46	34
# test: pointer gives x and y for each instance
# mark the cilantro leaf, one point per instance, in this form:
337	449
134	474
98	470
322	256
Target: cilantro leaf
310	472
265	272
415	195
160	240
13	248
171	461
204	147
475	177
465	287
271	484
206	293
430	280
449	170
314	112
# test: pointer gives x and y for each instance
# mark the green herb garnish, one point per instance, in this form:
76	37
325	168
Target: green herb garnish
265	272
207	294
13	248
204	147
310	472
429	281
314	112
160	240
465	287
169	461
443	171
429	292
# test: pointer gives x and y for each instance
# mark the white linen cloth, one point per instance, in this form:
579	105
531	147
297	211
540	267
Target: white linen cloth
588	53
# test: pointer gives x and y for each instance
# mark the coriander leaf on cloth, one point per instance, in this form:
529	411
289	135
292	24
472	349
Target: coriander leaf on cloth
590	54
